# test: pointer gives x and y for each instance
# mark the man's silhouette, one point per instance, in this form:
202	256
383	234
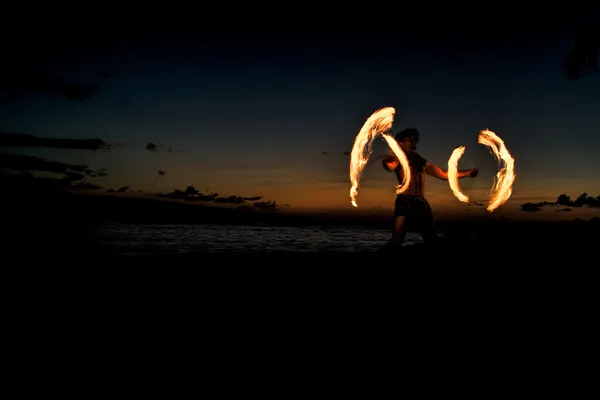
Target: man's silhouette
412	211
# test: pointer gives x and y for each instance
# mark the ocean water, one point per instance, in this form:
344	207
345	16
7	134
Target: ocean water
144	239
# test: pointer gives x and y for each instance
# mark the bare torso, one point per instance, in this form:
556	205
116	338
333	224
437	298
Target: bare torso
416	186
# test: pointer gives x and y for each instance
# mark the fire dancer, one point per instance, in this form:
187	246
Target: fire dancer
412	212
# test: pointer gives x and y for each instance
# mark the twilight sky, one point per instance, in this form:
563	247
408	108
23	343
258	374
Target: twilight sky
248	106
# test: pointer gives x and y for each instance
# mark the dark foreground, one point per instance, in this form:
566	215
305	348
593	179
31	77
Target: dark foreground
493	288
45	257
58	228
483	243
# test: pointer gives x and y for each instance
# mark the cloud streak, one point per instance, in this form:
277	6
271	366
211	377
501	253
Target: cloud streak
24	140
192	194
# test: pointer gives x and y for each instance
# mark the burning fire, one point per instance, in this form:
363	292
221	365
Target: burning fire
453	174
378	123
505	177
398	152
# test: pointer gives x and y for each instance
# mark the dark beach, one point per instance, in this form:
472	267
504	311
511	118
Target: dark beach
501	261
59	225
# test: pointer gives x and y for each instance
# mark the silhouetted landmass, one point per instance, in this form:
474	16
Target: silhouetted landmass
584	200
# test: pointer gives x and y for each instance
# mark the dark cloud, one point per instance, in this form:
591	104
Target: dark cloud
122	189
531	207
474	203
266	205
86	186
21	172
230	199
192	194
24	140
584	200
21	162
151	146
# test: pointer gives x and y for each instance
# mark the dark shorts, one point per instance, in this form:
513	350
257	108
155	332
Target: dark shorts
416	210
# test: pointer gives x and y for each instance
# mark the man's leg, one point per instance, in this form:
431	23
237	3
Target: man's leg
399	231
399	228
427	227
398	235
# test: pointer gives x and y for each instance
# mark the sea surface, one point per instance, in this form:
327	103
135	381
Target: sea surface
147	239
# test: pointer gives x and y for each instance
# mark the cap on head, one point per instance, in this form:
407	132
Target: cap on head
406	133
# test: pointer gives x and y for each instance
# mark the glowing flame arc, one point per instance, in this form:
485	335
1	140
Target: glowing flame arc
453	174
505	177
378	123
398	152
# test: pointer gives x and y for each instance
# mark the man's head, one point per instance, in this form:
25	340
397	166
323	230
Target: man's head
408	139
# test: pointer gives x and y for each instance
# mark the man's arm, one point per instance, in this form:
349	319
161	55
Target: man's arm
435	171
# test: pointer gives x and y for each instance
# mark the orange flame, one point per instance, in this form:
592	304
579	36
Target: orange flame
453	174
505	177
398	152
380	121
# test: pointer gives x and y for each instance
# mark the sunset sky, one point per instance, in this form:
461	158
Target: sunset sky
252	114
